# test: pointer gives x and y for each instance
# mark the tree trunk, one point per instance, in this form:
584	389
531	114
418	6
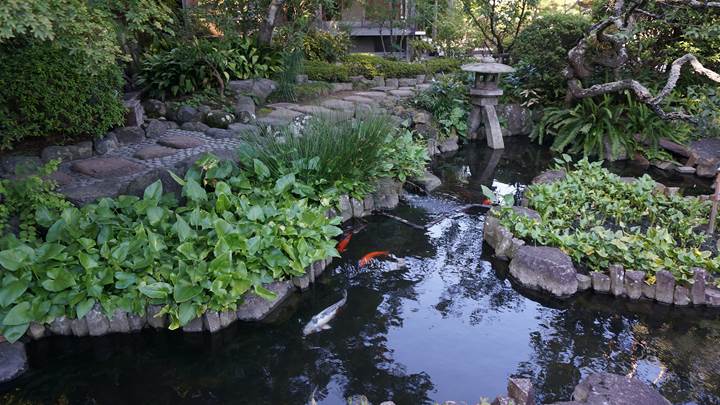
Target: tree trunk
266	31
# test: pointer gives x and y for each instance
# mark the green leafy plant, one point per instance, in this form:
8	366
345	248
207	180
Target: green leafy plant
605	126
600	219
46	91
447	101
325	46
31	198
236	231
192	66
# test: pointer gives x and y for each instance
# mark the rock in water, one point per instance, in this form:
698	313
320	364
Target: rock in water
544	268
606	388
13	360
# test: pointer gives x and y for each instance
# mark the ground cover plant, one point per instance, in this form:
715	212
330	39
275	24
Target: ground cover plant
600	219
236	228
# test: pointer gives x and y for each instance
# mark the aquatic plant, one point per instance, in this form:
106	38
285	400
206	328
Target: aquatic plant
600	219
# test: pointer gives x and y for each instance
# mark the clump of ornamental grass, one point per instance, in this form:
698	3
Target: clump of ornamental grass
335	155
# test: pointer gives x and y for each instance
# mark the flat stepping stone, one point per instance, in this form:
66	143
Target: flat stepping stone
384	89
423	86
181	142
372	94
359	100
312	110
284	113
273	121
685	169
402	93
335	104
288	106
106	167
154	152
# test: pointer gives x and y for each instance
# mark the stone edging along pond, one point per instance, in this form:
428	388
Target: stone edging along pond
252	308
550	270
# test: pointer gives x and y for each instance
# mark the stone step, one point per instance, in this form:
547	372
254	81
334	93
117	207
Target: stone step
154	152
181	142
106	167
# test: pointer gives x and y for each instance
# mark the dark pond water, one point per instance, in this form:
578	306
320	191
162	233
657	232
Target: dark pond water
447	326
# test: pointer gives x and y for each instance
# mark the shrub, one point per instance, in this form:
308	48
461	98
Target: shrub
594	125
540	53
370	66
325	46
192	66
326	72
447	100
46	91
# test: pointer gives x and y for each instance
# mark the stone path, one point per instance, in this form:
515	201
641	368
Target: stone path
129	159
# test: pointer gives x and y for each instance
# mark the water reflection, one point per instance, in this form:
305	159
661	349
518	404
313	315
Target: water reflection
447	326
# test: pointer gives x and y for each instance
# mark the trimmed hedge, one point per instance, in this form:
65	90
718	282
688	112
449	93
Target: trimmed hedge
46	91
371	66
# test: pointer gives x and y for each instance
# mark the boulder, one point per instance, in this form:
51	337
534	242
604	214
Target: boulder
664	287
240	128
706	153
129	135
258	88
633	284
61	326
421	117
137	322
600	282
427	181
106	167
211	321
549	176
82	150
521	391
358	208
194	326
244	109
187	113
518	119
13	361
194	126
36	330
106	144
346	211
218	133
154	319
697	291
19	164
681	297
134	111
584	282
606	388
119	322
544	268
227	318
157	128
617	279
255	308
97	322
391	83
387	193
648	291
79	327
448	145
219	119
154	108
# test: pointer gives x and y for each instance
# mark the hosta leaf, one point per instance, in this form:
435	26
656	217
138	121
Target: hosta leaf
18	315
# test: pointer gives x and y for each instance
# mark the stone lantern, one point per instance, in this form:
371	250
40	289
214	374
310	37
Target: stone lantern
484	97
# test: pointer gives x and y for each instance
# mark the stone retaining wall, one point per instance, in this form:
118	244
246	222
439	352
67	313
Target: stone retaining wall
550	270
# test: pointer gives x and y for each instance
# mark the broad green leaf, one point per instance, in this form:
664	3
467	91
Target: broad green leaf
18	315
13	259
82	308
185	292
13	333
87	261
153	191
186	313
260	169
156	290
256	213
265	293
182	228
284	183
11	292
194	191
155	215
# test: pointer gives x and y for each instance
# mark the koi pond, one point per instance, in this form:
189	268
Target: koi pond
447	326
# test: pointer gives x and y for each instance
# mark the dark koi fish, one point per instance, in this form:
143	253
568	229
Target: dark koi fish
342	246
368	257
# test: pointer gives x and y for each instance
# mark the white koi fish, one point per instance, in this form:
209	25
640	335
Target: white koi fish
320	321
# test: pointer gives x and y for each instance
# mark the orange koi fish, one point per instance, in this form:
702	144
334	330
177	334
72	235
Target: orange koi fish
487	202
342	246
368	257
